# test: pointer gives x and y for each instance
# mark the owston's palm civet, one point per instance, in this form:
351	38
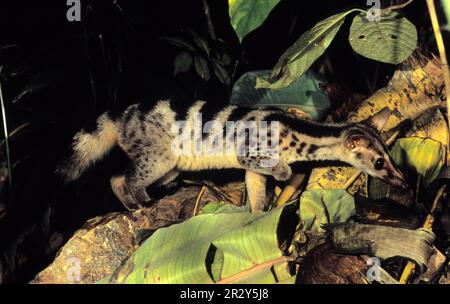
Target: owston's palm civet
147	136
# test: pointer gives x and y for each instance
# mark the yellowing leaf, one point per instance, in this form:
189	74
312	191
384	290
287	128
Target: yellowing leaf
430	124
424	156
336	178
413	89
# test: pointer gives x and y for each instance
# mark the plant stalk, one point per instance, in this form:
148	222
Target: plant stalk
206	10
444	62
6	140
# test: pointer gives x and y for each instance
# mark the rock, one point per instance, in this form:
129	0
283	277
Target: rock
104	242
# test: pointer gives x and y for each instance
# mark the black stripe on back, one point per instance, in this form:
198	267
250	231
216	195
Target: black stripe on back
239	113
181	106
309	128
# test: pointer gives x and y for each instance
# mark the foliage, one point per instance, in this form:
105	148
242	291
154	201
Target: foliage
53	85
390	40
248	15
302	54
203	56
213	246
305	93
324	206
425	156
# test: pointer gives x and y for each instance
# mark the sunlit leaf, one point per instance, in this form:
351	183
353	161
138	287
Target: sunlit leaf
228	244
424	156
247	15
411	91
303	53
390	40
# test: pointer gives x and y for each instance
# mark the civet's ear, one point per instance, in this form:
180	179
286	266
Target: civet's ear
379	119
355	141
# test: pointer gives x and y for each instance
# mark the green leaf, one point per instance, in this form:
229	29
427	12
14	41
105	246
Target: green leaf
201	43
201	66
319	207
302	54
230	244
424	156
182	63
221	73
213	207
390	40
446	9
247	15
305	93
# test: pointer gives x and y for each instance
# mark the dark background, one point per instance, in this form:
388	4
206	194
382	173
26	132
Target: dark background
112	58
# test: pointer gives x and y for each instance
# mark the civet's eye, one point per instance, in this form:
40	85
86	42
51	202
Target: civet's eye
379	164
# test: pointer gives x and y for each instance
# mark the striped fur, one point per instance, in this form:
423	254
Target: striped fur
146	136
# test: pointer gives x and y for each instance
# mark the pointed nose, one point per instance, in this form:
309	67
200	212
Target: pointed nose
399	180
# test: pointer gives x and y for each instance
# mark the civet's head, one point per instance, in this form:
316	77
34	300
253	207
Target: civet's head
367	151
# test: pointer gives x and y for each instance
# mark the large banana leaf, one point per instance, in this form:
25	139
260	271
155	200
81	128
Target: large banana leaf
226	245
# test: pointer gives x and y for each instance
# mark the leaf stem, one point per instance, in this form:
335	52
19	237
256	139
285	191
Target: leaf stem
254	269
294	183
198	200
428	225
444	62
397	6
206	10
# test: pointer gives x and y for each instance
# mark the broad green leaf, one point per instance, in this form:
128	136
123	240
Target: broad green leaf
182	63
255	248
201	66
214	206
302	54
390	40
424	156
305	93
318	207
247	15
225	244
